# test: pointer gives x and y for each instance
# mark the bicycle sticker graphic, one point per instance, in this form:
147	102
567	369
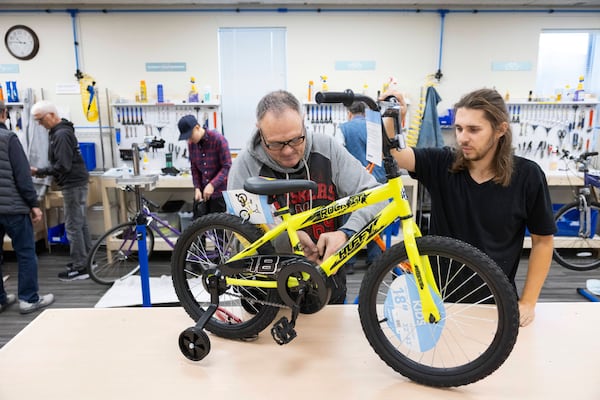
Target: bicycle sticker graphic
250	207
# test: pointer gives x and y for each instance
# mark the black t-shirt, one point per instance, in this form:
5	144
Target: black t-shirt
489	216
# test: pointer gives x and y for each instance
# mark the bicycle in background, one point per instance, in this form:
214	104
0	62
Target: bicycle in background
577	245
115	254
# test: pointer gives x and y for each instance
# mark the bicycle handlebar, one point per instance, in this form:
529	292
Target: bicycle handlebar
582	157
346	97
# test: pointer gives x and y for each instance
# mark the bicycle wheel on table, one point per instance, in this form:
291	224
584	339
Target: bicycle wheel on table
115	255
478	305
572	250
212	240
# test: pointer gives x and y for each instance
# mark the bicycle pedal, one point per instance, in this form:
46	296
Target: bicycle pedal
283	331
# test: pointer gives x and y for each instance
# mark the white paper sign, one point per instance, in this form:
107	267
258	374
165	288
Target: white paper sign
374	139
249	206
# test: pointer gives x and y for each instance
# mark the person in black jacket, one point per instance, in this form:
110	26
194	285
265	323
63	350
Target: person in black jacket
18	207
70	174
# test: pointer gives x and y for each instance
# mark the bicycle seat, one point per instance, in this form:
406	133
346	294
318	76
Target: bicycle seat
266	186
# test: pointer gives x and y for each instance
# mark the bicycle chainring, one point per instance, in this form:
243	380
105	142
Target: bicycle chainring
307	280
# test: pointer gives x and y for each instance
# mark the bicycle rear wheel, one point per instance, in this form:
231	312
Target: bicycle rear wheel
578	252
480	315
212	240
115	255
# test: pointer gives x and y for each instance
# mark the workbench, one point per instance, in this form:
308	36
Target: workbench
123	353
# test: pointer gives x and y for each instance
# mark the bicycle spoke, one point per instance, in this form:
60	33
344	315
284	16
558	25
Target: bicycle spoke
469	331
115	255
242	310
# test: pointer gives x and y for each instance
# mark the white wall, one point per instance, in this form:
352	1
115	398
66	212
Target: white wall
114	48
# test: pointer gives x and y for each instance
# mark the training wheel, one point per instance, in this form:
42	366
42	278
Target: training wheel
194	344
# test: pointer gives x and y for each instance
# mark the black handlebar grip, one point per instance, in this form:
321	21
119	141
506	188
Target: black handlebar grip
346	97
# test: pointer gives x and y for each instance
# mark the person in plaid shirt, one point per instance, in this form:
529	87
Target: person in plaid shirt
210	162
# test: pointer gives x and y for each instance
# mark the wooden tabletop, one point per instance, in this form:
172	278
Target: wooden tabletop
133	353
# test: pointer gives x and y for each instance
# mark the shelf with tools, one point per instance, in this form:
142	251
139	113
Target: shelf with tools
155	125
542	130
324	118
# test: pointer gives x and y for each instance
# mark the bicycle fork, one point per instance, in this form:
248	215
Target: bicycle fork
422	272
584	214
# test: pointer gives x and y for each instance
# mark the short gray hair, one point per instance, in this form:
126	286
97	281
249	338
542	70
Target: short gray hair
277	102
358	107
43	107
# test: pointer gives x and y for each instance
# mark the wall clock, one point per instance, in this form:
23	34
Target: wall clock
22	42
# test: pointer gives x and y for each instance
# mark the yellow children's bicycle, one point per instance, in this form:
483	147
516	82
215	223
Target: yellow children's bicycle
435	309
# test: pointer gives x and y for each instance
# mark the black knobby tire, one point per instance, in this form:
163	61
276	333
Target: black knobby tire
209	241
115	254
574	252
479	326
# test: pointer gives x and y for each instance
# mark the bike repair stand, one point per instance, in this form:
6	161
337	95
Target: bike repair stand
139	182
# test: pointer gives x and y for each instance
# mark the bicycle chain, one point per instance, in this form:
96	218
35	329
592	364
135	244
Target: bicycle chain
254	300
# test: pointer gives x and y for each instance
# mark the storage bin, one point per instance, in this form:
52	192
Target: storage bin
57	234
88	151
169	212
186	215
568	225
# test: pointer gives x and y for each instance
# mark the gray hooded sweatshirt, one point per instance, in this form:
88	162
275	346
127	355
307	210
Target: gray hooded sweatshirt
337	173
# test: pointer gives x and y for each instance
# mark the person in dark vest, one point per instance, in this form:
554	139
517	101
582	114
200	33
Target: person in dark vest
19	209
70	173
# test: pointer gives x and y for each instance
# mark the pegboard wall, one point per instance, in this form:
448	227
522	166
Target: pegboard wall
541	131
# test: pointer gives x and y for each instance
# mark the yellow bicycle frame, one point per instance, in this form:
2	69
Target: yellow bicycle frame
398	207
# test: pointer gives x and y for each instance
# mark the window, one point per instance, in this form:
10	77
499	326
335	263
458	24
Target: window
564	56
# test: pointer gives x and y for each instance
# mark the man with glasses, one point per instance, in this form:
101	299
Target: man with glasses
71	175
283	148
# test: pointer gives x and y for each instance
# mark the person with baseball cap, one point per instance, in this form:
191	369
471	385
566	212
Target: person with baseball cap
210	161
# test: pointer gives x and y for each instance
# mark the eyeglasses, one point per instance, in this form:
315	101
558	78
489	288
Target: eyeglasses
297	141
40	118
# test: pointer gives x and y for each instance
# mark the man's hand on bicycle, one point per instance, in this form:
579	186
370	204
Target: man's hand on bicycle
328	243
396	94
308	246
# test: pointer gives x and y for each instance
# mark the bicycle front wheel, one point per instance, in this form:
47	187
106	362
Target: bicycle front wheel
577	247
478	305
115	255
211	240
